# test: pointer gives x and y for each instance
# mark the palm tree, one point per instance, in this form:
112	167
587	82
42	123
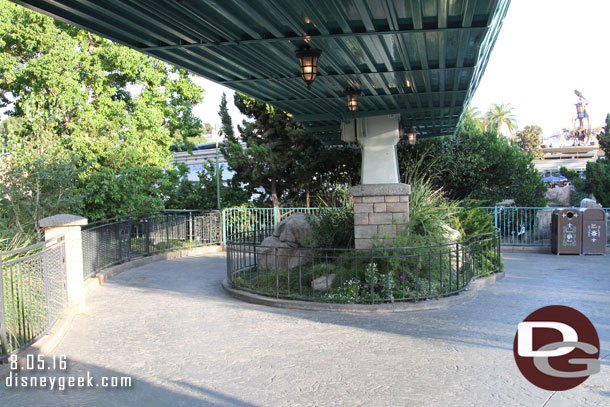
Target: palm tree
500	115
473	115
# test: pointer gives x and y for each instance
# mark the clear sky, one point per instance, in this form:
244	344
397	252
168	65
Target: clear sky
545	50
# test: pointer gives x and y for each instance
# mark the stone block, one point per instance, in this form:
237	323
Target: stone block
379	207
357	199
387	231
363	208
381	189
400	218
380	218
397	207
365	231
363	243
372	199
392	198
401	227
403	198
361	218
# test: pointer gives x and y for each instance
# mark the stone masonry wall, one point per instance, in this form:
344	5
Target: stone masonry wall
380	210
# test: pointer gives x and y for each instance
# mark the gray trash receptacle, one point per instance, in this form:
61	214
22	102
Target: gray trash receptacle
566	231
594	231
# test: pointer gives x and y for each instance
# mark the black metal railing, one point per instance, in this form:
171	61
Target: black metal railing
32	293
116	240
370	276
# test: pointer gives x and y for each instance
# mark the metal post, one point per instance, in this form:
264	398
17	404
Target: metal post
147	235
496	217
457	266
128	239
217	175
2	315
190	231
167	230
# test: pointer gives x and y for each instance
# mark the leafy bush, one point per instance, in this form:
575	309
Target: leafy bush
474	220
333	225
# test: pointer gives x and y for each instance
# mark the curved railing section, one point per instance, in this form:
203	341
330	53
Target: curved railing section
112	241
367	276
32	293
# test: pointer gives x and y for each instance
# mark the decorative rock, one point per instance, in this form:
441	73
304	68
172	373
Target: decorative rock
589	203
323	283
283	250
559	196
275	254
295	229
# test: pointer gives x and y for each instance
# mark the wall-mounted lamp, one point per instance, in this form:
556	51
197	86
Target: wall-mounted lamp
308	59
412	135
352	99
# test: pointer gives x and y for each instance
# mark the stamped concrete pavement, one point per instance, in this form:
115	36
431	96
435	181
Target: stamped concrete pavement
184	342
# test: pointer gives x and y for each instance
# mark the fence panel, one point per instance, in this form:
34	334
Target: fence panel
240	220
32	293
117	240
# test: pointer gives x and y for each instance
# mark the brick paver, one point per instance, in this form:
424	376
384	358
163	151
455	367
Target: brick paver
184	342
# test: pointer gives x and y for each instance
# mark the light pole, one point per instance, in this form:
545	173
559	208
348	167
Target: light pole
217	132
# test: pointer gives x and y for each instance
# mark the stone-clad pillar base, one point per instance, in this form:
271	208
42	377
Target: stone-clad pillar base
380	210
70	227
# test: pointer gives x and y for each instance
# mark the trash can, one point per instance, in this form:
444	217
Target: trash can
566	231
594	231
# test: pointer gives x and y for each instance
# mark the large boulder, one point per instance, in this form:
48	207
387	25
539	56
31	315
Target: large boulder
295	229
450	233
559	196
275	254
286	249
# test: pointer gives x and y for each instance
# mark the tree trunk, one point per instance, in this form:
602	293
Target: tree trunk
307	197
275	200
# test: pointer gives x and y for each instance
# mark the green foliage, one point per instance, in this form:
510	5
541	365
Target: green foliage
479	165
98	116
332	228
604	137
529	139
474	220
185	194
598	177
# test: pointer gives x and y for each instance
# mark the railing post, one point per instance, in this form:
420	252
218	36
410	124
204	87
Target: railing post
70	227
224	226
457	265
167	230
2	315
128	256
496	217
190	229
147	235
118	238
254	246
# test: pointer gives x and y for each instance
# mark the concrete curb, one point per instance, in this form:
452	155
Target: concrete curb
466	295
47	343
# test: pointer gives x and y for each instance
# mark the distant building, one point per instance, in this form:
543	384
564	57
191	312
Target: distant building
200	154
572	157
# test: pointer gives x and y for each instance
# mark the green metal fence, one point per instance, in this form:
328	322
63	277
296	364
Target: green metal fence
240	220
32	293
527	226
517	226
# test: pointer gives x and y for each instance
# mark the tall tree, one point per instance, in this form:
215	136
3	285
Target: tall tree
113	110
273	145
529	139
474	117
499	116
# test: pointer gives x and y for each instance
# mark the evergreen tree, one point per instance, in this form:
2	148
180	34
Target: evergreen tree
529	139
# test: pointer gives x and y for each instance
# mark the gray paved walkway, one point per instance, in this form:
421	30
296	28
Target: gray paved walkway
185	343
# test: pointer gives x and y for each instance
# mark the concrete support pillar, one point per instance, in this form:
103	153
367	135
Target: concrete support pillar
70	227
377	137
380	211
381	203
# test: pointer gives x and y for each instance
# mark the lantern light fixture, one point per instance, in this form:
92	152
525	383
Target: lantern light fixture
352	99
412	135
308	59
